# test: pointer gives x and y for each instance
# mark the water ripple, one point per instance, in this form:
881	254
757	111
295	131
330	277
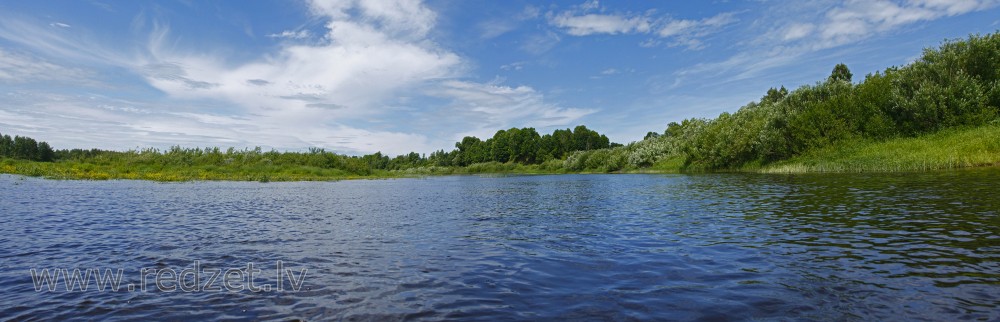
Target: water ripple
922	246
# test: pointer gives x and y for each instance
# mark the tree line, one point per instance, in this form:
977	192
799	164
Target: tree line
25	148
524	146
515	145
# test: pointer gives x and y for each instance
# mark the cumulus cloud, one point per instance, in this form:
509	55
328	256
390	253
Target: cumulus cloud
371	57
371	50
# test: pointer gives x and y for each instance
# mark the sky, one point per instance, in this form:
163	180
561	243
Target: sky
360	76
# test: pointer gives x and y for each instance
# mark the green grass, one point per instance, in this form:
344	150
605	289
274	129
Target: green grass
947	149
98	171
84	170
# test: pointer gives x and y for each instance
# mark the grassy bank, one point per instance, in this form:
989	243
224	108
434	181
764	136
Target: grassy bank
947	149
263	173
82	170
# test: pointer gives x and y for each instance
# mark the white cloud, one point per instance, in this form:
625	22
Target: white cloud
493	28
856	20
588	24
540	43
590	5
71	121
67	44
59	24
373	56
797	30
288	34
818	26
501	107
610	71
371	50
22	68
515	66
689	32
677	32
397	18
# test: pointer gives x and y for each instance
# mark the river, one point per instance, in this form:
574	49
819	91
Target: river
866	247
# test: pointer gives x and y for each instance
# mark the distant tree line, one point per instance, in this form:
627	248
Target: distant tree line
522	146
25	148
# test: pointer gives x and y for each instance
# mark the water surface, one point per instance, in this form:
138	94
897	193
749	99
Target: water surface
923	246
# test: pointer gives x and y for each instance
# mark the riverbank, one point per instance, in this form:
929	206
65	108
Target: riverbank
947	149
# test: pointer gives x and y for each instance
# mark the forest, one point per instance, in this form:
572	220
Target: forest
950	96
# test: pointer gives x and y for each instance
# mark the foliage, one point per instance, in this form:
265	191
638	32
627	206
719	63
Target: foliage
25	148
952	86
840	74
507	151
525	146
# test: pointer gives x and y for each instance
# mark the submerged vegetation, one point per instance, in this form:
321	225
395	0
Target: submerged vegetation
939	112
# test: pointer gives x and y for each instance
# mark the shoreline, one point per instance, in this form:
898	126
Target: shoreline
949	149
265	177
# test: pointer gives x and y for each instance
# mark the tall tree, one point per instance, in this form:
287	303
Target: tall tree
840	73
45	152
6	146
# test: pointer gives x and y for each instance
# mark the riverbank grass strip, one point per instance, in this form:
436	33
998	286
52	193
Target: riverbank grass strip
948	149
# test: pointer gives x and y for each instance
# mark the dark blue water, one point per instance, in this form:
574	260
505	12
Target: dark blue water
920	246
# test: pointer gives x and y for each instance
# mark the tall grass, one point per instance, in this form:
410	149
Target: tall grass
947	149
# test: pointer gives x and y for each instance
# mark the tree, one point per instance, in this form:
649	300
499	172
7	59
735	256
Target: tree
45	152
6	146
587	139
470	150
840	73
25	148
774	95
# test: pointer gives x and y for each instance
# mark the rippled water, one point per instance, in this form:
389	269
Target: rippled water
922	246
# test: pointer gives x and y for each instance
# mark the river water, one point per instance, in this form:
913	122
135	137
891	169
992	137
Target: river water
866	247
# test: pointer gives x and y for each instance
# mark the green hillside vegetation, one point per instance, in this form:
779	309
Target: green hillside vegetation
954	86
939	112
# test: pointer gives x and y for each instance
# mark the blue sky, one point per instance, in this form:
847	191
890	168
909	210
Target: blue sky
396	76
